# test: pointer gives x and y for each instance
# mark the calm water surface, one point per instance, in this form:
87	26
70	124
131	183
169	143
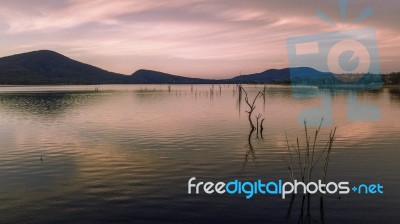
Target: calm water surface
124	154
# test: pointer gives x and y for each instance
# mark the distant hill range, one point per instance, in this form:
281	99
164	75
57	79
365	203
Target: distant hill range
155	77
49	67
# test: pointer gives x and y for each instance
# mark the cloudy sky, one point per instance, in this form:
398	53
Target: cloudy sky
199	38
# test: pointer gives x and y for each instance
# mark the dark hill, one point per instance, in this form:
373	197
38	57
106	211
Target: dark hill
279	75
155	77
49	67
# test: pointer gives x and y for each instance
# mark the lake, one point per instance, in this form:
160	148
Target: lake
125	153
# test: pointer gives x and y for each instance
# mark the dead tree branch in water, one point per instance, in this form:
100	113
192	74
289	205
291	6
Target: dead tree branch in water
251	105
262	128
258	118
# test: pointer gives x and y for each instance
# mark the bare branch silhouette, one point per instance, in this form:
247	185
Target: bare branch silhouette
251	105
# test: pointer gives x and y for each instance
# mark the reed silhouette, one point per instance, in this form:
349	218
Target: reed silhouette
307	158
305	214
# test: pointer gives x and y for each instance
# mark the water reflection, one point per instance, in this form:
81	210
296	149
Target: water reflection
305	212
394	94
250	151
46	103
125	156
43	171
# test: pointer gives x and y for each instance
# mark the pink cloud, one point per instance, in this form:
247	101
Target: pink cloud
197	38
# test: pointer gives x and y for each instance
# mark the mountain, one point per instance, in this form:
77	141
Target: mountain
279	75
268	76
48	67
155	77
265	76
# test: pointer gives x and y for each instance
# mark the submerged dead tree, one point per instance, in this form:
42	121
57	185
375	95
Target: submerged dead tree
258	118
240	93
251	105
262	127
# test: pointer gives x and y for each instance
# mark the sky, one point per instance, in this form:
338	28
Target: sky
198	38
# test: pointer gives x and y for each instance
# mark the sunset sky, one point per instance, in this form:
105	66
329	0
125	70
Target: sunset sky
198	38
